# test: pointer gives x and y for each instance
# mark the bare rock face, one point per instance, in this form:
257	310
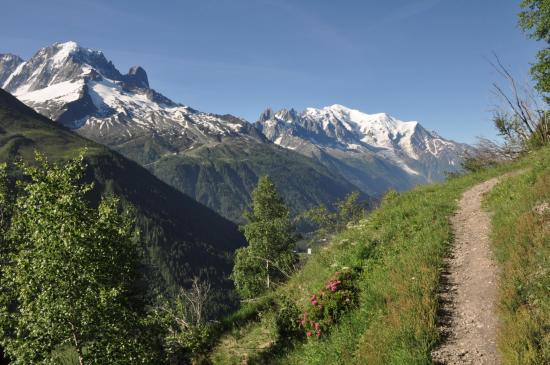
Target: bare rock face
137	76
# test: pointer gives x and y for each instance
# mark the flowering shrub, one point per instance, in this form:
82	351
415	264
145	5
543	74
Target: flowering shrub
327	306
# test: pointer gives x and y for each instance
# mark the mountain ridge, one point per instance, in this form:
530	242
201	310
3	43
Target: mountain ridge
190	150
346	135
216	159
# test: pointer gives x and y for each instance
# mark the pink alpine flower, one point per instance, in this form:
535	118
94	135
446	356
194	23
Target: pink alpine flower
313	300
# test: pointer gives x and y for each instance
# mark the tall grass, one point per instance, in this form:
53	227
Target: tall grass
521	241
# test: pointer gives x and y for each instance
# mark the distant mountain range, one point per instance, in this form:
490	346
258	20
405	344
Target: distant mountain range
316	156
373	152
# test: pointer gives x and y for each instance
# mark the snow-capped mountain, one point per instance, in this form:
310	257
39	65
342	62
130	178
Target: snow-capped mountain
81	89
342	137
215	159
316	156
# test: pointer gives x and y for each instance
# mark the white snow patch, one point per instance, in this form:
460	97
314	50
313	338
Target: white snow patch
64	51
66	92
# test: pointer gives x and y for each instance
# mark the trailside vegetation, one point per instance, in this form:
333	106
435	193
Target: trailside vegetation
521	241
535	20
349	210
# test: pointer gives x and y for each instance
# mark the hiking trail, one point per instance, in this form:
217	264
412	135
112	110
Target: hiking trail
468	322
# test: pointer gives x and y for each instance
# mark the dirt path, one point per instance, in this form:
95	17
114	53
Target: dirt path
467	320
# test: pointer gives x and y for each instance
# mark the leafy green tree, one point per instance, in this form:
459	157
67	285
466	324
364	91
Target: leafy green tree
348	210
68	274
535	19
271	237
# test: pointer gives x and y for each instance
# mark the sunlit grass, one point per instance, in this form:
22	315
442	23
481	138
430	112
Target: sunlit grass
399	250
521	241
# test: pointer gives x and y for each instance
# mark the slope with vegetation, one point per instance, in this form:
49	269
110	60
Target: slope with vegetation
521	238
394	258
182	237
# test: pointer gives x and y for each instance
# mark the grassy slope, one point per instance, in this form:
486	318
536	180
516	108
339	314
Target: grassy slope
400	249
521	238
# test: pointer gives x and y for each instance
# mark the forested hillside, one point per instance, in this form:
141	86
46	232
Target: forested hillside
182	237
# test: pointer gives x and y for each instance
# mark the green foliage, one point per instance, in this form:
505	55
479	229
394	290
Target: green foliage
286	318
69	273
6	205
269	256
535	19
249	273
348	210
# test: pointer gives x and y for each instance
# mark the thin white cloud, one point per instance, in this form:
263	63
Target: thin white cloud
410	10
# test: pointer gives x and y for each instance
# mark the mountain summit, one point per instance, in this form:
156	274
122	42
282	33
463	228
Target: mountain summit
216	159
81	89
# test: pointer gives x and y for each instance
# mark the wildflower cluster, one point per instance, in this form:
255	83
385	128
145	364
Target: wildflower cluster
329	304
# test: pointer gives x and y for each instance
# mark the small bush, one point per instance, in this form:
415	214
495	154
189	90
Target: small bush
325	308
287	312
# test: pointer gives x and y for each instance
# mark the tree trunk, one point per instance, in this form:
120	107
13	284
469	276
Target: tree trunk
267	267
77	346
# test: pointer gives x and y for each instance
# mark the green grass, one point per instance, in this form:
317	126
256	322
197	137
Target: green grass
399	250
521	241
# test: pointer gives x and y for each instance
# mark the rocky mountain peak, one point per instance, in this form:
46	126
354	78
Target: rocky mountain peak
267	114
60	62
137	76
287	115
8	63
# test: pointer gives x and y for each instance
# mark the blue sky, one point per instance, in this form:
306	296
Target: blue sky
420	60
